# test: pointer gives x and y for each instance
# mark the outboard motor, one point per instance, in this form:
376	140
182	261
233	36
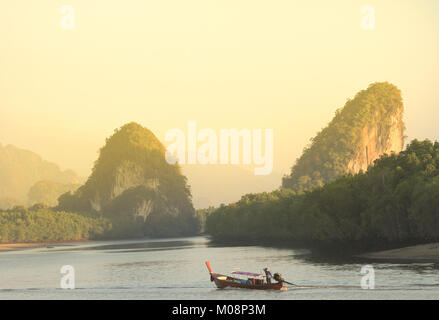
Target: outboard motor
278	277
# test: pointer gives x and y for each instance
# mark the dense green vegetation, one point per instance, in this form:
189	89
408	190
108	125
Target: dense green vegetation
40	223
395	202
133	185
201	215
329	153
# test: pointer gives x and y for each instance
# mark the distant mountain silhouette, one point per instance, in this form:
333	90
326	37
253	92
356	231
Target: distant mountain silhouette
212	185
20	169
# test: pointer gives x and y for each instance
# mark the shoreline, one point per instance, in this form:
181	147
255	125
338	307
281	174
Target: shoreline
421	252
428	252
4	247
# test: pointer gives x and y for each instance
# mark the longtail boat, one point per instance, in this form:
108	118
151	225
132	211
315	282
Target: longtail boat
254	281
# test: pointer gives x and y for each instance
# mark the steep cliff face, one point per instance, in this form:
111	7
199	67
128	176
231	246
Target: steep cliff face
367	127
127	175
373	143
132	181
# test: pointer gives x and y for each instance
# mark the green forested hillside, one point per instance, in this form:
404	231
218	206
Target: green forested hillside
379	107
395	202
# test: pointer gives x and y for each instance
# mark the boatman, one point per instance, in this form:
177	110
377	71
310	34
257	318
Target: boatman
268	275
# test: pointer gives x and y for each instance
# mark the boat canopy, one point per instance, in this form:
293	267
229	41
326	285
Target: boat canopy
251	274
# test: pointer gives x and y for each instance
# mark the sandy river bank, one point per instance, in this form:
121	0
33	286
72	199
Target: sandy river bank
428	251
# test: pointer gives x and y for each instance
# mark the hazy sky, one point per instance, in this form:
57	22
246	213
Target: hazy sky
281	64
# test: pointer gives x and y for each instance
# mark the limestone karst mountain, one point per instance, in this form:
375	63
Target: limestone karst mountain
132	184
367	127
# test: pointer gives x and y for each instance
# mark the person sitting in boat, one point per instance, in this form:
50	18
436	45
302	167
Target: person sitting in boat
268	275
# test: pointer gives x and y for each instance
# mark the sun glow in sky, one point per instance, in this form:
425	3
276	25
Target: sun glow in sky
281	64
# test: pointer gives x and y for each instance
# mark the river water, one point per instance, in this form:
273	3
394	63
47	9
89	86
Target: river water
175	269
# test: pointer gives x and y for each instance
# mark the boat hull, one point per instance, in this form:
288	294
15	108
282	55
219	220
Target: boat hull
229	282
